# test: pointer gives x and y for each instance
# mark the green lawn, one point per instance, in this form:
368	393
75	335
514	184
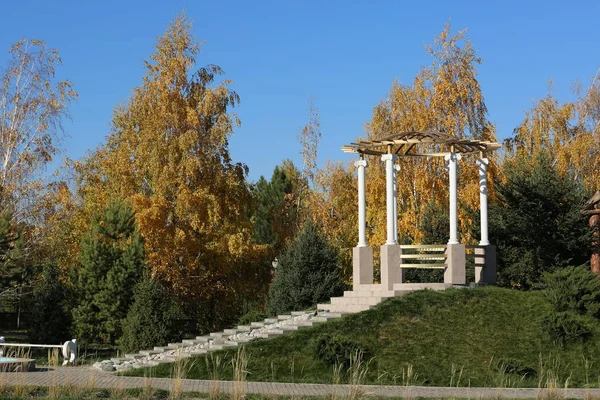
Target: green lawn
467	337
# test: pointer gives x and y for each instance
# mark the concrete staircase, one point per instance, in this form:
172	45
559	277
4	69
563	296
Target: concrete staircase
360	299
368	296
228	338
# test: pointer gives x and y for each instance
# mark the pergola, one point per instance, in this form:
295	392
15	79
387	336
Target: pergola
419	144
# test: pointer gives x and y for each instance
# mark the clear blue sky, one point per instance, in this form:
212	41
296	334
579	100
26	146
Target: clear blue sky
346	53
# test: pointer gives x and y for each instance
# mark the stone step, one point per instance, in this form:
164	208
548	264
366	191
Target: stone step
178	345
222	346
271	321
193	342
162	349
337	314
203	339
269	334
320	319
302	324
183	354
288	328
372	293
244	328
421	286
149	352
257	324
120	359
344	308
219	334
145	365
135	356
225	341
283	317
197	352
165	360
356	300
298	313
232	331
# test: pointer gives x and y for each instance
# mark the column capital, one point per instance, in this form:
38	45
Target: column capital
387	157
453	157
361	163
483	161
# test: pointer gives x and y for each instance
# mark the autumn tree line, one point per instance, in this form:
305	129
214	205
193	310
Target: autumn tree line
158	231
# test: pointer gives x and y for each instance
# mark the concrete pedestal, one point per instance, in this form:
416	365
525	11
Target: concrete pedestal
362	266
456	271
390	266
485	265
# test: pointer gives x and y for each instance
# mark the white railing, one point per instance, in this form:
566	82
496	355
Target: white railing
428	256
68	349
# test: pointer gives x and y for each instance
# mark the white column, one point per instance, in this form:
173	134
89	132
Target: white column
391	218
396	169
483	163
362	203
452	160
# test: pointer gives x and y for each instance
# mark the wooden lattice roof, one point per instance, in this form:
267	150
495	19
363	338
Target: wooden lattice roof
420	144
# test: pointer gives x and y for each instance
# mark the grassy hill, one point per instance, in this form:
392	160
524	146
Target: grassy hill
467	337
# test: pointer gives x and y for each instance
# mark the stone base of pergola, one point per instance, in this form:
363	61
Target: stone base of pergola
395	259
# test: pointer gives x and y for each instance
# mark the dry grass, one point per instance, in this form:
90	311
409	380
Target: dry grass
240	372
213	364
357	373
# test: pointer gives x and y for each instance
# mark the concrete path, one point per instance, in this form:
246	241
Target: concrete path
90	378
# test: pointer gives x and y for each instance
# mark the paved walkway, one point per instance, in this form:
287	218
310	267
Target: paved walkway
89	377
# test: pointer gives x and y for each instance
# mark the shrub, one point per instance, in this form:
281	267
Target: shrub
49	321
574	294
308	273
565	327
537	223
150	320
573	289
337	350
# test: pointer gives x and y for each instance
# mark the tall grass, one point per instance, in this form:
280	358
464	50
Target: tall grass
240	372
181	368
213	364
357	373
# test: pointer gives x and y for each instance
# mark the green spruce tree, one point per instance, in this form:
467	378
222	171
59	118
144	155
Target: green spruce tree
537	222
275	214
49	321
111	263
151	318
307	273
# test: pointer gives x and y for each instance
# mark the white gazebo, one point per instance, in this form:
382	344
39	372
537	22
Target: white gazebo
394	257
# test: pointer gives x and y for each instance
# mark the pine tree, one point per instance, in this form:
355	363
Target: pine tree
307	274
150	320
112	260
537	222
275	215
8	240
49	321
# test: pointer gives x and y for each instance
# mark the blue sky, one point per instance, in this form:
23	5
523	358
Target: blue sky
345	53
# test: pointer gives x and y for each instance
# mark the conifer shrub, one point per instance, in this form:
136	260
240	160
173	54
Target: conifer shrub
338	350
151	319
50	322
574	294
573	289
112	260
307	273
536	222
